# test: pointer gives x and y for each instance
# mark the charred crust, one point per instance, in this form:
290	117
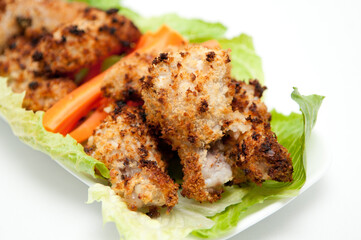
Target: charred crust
112	11
147	164
191	139
124	43
183	54
258	89
33	85
163	57
73	29
203	107
153	212
228	60
37	56
12	45
253	107
210	56
89	150
63	39
147	82
255	136
142	151
111	31
23	22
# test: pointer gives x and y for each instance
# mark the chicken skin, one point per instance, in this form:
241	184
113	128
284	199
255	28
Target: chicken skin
137	171
91	37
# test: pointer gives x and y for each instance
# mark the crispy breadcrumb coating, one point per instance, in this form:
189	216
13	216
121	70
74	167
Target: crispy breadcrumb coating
95	34
187	96
125	78
124	81
41	92
255	155
34	18
179	95
137	171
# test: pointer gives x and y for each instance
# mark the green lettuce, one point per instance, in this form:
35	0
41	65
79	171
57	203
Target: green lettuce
195	30
185	217
246	64
28	126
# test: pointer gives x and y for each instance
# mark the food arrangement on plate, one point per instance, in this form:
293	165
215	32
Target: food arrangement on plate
165	109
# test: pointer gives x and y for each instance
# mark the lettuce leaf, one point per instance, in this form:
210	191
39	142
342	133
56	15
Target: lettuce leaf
293	132
246	64
28	126
195	30
102	4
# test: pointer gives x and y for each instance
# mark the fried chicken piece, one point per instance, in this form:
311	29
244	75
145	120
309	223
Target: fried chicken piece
179	95
34	18
137	171
187	96
125	78
94	35
41	92
124	81
255	155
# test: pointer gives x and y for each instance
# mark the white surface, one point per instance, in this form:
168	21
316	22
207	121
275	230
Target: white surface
314	45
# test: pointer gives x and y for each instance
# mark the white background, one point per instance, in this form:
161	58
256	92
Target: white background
314	45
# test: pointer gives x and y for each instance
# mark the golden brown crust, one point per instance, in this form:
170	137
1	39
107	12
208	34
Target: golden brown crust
256	155
125	78
194	185
41	92
95	34
179	95
137	171
33	18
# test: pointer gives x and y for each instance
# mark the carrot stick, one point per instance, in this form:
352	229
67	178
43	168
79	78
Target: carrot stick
85	130
68	110
211	44
64	115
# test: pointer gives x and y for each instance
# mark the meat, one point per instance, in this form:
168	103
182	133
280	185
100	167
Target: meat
255	155
33	18
137	171
94	35
41	92
187	96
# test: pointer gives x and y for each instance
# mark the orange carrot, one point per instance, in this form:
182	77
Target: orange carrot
68	110
211	44
85	130
64	115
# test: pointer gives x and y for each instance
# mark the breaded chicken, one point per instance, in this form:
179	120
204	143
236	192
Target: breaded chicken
255	155
41	92
125	78
137	171
34	18
94	35
187	96
124	81
179	95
